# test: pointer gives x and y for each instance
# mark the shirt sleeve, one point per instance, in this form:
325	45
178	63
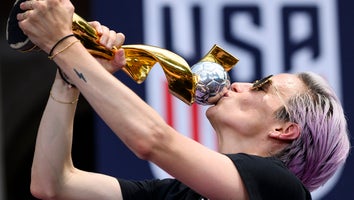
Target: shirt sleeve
156	189
268	178
140	189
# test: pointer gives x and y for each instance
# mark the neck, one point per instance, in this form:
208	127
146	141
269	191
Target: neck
234	143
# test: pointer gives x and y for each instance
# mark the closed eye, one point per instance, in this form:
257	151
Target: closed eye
263	84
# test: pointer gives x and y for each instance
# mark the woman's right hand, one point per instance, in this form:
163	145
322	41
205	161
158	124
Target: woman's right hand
111	39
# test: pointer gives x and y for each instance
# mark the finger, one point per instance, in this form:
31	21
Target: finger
119	59
97	25
22	16
105	35
120	39
31	5
112	39
28	5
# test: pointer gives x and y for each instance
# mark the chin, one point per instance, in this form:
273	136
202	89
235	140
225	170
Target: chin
211	111
208	111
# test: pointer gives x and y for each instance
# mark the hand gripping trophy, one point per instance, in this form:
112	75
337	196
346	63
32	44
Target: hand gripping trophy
203	83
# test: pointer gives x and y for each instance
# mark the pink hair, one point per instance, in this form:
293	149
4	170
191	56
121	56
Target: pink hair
323	145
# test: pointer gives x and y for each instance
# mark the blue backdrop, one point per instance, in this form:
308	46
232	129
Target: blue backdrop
135	18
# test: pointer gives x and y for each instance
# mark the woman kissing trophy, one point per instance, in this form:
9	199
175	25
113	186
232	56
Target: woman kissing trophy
203	83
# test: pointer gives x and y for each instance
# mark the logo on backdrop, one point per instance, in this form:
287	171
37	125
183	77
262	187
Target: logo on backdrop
268	37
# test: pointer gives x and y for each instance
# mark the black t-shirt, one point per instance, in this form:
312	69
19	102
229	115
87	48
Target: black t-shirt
264	178
268	178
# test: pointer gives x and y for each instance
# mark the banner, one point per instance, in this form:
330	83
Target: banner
269	37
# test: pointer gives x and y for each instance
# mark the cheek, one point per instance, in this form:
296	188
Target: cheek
251	122
247	104
244	105
245	117
252	112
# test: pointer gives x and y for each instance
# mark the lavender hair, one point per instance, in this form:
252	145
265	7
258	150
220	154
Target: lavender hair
324	144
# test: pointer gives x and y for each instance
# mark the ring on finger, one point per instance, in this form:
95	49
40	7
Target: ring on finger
31	5
24	15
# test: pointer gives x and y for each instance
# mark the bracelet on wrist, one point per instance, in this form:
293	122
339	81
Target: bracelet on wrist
57	43
65	78
62	102
65	48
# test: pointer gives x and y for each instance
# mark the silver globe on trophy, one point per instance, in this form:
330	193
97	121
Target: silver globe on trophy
212	82
203	83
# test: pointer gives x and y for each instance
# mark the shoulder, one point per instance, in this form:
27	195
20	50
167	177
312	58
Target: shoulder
156	189
241	160
261	175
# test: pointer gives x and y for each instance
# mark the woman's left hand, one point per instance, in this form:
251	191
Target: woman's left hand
45	22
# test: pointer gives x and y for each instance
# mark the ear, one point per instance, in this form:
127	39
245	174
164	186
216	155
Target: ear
288	132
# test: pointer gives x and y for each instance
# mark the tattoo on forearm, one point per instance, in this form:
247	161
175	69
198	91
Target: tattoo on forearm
80	75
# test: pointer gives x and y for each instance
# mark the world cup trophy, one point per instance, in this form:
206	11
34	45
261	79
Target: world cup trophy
203	83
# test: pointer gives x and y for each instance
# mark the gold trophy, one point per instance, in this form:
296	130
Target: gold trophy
183	83
140	59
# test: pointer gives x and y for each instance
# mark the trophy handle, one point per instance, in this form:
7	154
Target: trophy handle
220	56
140	59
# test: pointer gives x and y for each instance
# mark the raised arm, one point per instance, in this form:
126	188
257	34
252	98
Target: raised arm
53	173
146	133
141	128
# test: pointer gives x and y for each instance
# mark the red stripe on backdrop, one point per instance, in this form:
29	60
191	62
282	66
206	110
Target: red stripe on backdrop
169	113
169	106
195	122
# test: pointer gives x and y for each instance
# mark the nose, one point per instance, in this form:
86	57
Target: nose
240	86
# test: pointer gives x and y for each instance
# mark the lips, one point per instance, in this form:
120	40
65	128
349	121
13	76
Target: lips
226	94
